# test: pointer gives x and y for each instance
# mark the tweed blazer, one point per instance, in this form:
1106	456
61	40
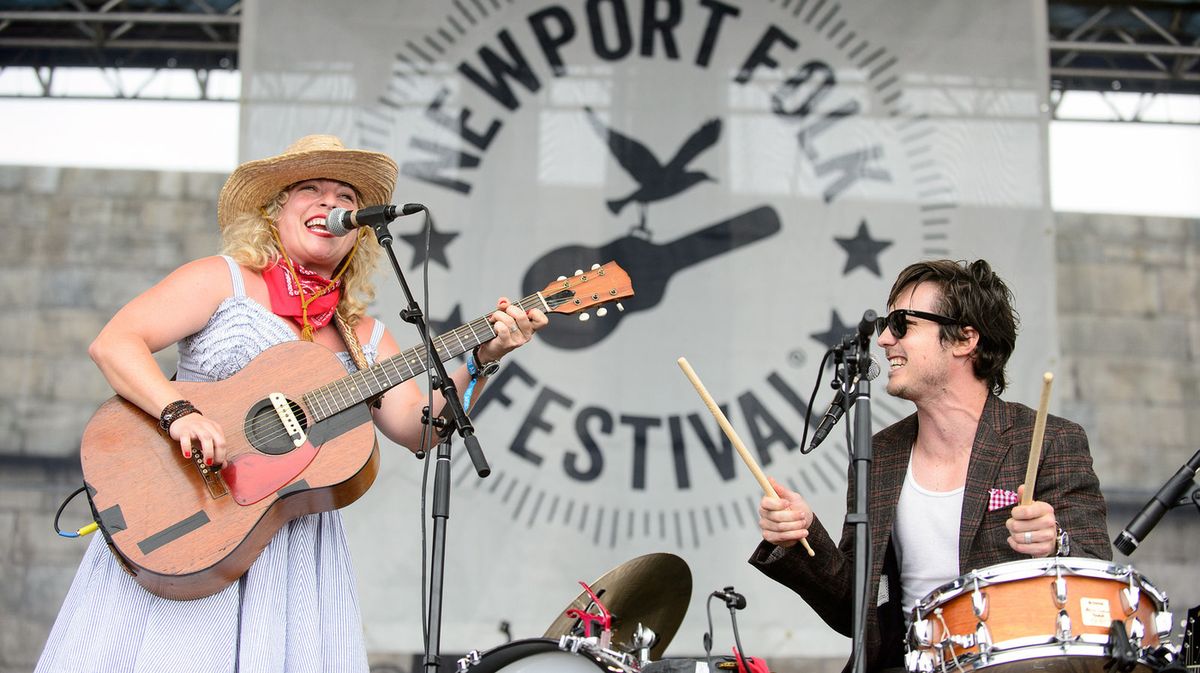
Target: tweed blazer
998	459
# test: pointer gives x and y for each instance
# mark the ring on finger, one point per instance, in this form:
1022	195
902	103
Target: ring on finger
1028	537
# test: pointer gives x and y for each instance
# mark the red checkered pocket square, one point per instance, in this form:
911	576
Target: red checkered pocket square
999	498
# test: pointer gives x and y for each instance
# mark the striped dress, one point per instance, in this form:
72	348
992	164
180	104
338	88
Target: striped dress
295	610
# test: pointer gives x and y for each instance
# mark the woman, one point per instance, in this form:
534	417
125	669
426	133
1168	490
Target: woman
283	277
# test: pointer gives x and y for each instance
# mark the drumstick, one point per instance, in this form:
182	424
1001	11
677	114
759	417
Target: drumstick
1035	445
733	437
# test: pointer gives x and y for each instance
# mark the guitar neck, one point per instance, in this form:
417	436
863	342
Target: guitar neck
364	384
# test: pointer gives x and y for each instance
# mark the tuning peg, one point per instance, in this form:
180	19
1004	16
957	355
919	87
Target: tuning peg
595	266
620	306
583	317
578	272
562	278
601	312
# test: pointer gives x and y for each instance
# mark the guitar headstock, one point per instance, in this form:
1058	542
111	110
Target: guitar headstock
586	289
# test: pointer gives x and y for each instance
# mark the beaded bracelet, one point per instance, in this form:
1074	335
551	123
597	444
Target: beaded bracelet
173	412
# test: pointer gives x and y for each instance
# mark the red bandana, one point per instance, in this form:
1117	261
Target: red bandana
288	301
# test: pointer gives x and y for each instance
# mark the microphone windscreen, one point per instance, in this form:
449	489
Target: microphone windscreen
873	369
335	222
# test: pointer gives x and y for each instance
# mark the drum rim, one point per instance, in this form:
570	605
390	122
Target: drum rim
1011	571
1043	650
506	654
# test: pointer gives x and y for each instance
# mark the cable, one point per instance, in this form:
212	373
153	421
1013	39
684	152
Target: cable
86	530
805	449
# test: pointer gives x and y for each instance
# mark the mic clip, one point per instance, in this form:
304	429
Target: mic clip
733	599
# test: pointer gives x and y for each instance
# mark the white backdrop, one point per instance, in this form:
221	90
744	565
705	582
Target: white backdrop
837	142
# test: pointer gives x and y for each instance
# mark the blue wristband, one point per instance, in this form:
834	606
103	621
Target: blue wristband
470	389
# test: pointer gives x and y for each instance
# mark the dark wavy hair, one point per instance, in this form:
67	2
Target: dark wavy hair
974	295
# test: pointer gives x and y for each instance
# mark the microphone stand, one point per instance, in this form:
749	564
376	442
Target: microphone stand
453	418
854	355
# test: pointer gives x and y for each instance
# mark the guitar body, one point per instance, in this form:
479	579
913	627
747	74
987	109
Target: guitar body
299	437
168	520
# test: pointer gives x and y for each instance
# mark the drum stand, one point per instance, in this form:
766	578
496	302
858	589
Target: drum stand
853	357
453	418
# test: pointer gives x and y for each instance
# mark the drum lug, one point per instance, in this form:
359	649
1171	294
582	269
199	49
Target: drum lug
1137	632
918	661
1131	598
983	638
1162	625
922	633
472	658
1062	630
1060	591
979	604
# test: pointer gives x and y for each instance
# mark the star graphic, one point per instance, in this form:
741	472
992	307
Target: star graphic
837	330
862	250
438	241
440	327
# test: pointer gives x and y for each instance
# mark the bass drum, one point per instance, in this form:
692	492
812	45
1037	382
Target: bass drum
539	655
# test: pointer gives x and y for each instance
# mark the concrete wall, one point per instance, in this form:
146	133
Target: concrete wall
89	240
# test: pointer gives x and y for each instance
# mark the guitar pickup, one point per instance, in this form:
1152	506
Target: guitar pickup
291	424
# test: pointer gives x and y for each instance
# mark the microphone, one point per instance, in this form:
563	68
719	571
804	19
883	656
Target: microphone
1165	499
837	408
732	598
340	221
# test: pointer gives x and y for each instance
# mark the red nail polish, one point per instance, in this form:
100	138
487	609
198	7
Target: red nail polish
187	454
208	461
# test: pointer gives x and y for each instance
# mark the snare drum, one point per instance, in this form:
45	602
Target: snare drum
1057	611
543	655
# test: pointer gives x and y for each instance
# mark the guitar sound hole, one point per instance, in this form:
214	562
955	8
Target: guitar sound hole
265	432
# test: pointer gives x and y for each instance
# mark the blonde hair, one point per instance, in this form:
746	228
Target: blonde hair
249	240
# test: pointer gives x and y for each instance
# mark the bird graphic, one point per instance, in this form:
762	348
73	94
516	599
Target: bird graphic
655	180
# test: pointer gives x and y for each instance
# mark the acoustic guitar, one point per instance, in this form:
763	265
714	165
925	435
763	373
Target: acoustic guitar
299	437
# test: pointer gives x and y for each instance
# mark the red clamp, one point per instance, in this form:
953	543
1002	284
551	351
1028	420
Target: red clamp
604	618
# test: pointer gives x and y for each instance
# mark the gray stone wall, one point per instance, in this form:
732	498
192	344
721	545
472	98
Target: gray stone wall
89	240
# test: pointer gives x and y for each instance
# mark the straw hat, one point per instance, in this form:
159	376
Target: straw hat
254	183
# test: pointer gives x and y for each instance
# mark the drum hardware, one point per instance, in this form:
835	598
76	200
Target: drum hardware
921	633
651	590
983	638
1062	627
1123	655
1162	625
1136	632
569	654
472	658
643	639
1000	618
1131	597
615	661
979	602
1060	589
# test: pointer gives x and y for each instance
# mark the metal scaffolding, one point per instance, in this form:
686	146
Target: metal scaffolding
1108	49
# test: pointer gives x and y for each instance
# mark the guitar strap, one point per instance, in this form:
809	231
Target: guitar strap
352	344
355	350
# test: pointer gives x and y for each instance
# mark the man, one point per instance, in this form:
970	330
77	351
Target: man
943	480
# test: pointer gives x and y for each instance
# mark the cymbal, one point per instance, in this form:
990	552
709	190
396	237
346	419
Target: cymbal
652	590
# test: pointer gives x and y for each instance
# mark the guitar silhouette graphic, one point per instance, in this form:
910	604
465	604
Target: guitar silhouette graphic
656	181
652	264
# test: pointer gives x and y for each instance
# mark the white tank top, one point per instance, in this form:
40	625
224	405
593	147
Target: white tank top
925	534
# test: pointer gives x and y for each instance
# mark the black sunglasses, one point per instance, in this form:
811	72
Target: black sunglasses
897	321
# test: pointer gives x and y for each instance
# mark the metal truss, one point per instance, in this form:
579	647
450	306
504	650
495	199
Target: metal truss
155	36
1147	48
1143	48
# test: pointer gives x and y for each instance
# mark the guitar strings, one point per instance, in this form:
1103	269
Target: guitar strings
323	395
